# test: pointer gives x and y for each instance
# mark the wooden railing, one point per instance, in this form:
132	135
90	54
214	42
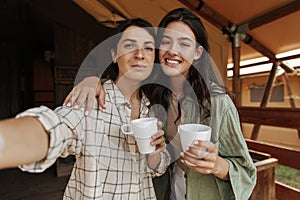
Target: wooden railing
279	117
285	156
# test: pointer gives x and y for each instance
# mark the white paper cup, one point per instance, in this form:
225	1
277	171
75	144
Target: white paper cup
144	145
143	127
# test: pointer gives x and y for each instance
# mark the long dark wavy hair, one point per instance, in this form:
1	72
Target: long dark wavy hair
112	71
200	72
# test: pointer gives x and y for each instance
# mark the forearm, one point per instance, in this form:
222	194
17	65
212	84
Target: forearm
153	160
22	141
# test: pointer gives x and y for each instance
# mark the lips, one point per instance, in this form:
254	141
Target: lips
172	62
138	66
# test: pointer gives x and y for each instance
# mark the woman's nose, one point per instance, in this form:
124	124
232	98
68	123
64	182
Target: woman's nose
139	53
174	49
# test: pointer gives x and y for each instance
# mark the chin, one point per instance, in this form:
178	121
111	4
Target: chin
138	78
169	71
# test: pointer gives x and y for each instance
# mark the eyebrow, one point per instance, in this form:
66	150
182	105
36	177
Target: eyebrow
181	38
132	40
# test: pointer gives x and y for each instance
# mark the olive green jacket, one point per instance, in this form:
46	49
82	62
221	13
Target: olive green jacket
228	138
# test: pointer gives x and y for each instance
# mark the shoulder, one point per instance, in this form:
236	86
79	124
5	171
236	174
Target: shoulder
109	84
110	90
222	105
113	94
222	100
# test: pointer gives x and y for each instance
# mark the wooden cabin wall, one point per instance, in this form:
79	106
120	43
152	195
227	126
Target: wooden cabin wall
16	51
70	50
28	29
218	50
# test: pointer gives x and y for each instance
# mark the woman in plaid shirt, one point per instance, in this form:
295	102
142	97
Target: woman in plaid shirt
108	164
192	93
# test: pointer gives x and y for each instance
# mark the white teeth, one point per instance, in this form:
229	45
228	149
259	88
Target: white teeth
172	61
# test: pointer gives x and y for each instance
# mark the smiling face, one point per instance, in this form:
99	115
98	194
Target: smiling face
178	49
135	54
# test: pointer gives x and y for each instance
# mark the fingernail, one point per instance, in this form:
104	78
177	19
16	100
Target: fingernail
69	104
182	154
76	106
196	142
86	113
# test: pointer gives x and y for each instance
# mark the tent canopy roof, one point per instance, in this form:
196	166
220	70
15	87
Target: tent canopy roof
272	24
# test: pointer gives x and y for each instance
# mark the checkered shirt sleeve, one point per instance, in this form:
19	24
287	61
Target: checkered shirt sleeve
107	165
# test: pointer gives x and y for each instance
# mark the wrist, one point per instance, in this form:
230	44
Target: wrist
153	160
221	169
92	78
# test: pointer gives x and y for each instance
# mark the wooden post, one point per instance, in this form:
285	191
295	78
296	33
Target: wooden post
290	94
236	54
266	97
265	184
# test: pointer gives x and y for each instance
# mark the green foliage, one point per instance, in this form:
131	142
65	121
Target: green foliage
288	176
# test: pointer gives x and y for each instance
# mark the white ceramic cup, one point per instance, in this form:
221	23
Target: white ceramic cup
142	129
190	132
144	144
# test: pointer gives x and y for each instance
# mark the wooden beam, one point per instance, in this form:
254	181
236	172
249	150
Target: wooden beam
279	117
259	47
290	94
286	156
253	64
269	17
286	68
289	57
207	13
265	99
269	86
289	90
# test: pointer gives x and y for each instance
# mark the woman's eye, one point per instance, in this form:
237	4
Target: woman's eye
184	44
128	46
165	42
149	48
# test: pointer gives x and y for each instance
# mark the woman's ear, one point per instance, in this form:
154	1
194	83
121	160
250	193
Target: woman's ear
198	52
113	55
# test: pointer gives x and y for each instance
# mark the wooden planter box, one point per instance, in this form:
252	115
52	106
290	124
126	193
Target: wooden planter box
265	184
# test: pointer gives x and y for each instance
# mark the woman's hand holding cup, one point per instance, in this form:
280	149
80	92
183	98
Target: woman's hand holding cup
205	161
158	140
147	134
201	157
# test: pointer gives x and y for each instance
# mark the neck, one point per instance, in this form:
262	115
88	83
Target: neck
177	83
129	88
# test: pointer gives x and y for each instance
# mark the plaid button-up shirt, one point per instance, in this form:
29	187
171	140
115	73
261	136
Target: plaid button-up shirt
107	163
